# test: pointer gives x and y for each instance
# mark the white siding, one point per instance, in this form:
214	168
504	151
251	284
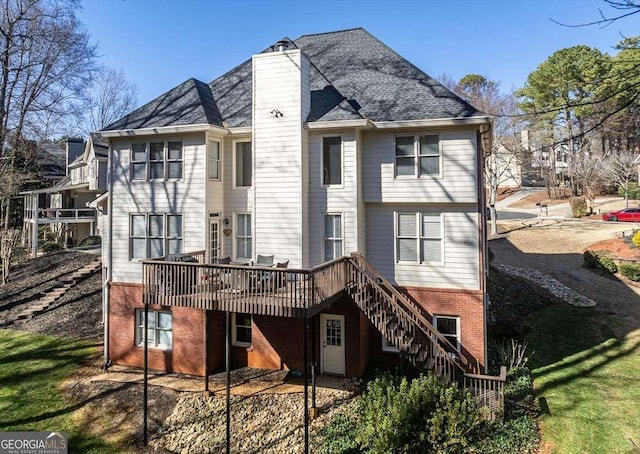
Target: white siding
461	247
342	199
459	170
280	82
186	196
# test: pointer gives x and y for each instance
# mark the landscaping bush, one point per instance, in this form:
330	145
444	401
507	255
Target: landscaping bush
51	246
518	432
578	207
599	260
91	241
634	191
630	271
399	415
635	239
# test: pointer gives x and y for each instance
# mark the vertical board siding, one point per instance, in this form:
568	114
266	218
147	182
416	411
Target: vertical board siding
460	268
186	196
278	79
458	167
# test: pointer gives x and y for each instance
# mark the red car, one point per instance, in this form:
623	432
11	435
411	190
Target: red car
629	214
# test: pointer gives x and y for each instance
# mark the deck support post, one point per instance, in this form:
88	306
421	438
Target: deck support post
206	353
313	370
145	391
228	380
306	389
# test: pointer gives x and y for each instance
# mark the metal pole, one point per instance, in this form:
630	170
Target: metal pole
313	366
146	373
228	365
306	391
206	352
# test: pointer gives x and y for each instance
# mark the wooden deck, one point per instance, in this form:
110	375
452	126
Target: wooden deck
281	292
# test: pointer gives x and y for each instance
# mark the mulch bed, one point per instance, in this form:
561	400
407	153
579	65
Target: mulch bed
618	248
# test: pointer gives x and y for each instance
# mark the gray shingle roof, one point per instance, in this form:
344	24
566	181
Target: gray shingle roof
353	76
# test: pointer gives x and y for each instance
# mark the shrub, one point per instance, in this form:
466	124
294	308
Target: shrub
50	246
337	436
578	207
511	353
91	241
634	191
599	260
630	271
421	415
635	239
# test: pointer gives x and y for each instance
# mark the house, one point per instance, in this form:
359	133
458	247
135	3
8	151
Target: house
63	210
311	150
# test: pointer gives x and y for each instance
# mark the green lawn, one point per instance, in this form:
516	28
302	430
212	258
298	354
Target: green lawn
32	366
587	381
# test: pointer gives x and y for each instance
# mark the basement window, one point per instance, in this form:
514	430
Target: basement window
160	332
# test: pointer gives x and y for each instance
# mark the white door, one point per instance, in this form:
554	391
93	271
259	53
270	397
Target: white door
214	239
332	339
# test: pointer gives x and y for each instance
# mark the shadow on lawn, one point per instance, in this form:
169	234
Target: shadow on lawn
555	329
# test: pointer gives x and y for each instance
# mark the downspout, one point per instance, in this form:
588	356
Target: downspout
107	281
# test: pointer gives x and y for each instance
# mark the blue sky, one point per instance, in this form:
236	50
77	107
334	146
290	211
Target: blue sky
161	43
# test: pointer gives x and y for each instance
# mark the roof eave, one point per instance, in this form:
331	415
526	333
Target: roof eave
437	122
340	124
180	129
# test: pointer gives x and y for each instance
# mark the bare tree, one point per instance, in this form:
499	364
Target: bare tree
111	98
588	174
8	243
621	169
46	63
623	9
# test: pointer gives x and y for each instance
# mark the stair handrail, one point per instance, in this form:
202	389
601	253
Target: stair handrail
402	301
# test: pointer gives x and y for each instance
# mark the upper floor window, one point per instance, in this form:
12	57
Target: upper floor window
214	160
154	235
243	164
156	160
332	236
331	160
418	155
241	329
243	235
419	237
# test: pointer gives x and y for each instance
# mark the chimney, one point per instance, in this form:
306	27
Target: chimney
75	148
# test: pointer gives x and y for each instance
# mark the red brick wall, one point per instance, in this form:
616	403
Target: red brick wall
466	304
186	356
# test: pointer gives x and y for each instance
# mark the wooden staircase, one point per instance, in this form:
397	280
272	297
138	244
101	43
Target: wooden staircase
406	328
55	293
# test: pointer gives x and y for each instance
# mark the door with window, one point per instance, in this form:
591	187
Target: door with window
214	238
332	344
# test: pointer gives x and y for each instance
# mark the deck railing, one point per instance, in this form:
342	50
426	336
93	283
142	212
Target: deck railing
61	214
285	292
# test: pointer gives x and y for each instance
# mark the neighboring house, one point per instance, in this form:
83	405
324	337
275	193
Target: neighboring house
309	151
63	210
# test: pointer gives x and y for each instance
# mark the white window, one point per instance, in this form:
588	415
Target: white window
243	236
243	164
241	329
154	235
418	155
156	160
160	332
388	346
419	237
449	327
331	161
214	160
332	236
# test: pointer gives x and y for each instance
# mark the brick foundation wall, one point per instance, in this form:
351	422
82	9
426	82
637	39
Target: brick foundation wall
186	355
466	304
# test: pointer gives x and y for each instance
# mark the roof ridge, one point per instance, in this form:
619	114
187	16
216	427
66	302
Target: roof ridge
333	32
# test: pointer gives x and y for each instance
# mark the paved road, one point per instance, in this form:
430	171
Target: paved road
502	215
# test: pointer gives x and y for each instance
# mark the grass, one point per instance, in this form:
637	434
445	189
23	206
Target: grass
586	380
32	368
